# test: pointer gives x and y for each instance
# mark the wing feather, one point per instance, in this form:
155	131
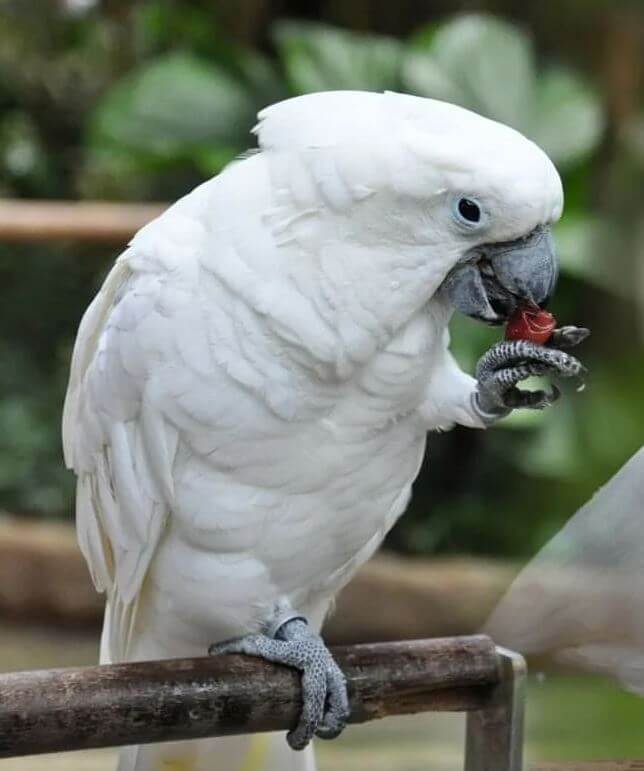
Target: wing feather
119	444
85	349
188	349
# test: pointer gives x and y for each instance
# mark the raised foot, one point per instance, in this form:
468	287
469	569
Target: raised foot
509	362
325	705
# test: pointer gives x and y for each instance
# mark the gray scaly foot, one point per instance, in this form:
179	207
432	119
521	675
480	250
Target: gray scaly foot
511	361
325	705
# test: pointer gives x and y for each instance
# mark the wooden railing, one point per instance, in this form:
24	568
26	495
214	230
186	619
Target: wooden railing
28	220
70	709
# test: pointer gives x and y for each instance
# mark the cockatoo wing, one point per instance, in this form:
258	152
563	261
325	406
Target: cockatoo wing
121	450
580	598
184	347
140	342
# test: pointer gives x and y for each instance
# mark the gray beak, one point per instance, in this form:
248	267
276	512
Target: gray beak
493	280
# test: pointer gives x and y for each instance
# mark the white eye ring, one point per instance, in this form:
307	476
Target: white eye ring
468	212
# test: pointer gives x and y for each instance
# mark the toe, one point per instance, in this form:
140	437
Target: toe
251	645
233	645
498	388
566	365
313	699
506	355
336	715
329	728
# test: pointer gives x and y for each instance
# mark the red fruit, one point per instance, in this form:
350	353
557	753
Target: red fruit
531	324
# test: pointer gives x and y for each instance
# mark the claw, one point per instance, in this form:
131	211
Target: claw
509	362
568	337
518	398
337	712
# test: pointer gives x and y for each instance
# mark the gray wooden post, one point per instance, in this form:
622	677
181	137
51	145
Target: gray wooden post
495	733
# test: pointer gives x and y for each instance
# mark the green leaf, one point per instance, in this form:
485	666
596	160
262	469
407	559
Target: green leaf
211	160
173	105
321	58
633	137
265	82
487	65
554	450
426	77
613	414
423	37
575	237
479	62
567	117
470	339
583	245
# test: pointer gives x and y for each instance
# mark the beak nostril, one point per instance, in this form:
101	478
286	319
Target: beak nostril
485	266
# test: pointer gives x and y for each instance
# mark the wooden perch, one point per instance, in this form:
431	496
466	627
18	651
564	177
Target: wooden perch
135	703
23	220
591	765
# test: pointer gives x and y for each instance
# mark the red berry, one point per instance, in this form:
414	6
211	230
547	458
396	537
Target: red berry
531	324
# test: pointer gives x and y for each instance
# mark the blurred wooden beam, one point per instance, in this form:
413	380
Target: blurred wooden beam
27	220
43	578
70	709
591	765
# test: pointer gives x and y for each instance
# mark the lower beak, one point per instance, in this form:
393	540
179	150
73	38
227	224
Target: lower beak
496	279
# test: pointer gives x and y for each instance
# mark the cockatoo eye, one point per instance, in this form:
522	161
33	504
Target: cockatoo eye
468	212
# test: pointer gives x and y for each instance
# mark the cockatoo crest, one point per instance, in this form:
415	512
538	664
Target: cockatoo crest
347	145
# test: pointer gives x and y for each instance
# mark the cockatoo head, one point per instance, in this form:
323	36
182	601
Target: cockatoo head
451	201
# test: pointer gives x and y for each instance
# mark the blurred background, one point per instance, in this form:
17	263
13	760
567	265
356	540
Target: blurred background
119	101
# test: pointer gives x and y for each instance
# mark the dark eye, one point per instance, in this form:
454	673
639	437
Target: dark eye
469	210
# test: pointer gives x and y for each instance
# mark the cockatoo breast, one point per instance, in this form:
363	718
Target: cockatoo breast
292	508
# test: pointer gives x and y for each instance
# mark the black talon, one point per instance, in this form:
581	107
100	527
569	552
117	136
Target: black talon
568	337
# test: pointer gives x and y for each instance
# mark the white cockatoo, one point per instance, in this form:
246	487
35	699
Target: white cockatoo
252	387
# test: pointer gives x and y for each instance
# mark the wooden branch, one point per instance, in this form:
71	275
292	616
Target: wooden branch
136	703
80	221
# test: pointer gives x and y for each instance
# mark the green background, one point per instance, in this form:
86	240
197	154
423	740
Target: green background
141	101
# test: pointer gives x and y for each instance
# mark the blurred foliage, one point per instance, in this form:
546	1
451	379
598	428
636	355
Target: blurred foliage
142	101
499	78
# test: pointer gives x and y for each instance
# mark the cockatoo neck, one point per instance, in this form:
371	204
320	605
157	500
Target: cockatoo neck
322	272
367	294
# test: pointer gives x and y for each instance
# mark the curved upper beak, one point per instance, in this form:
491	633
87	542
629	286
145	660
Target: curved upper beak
495	279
